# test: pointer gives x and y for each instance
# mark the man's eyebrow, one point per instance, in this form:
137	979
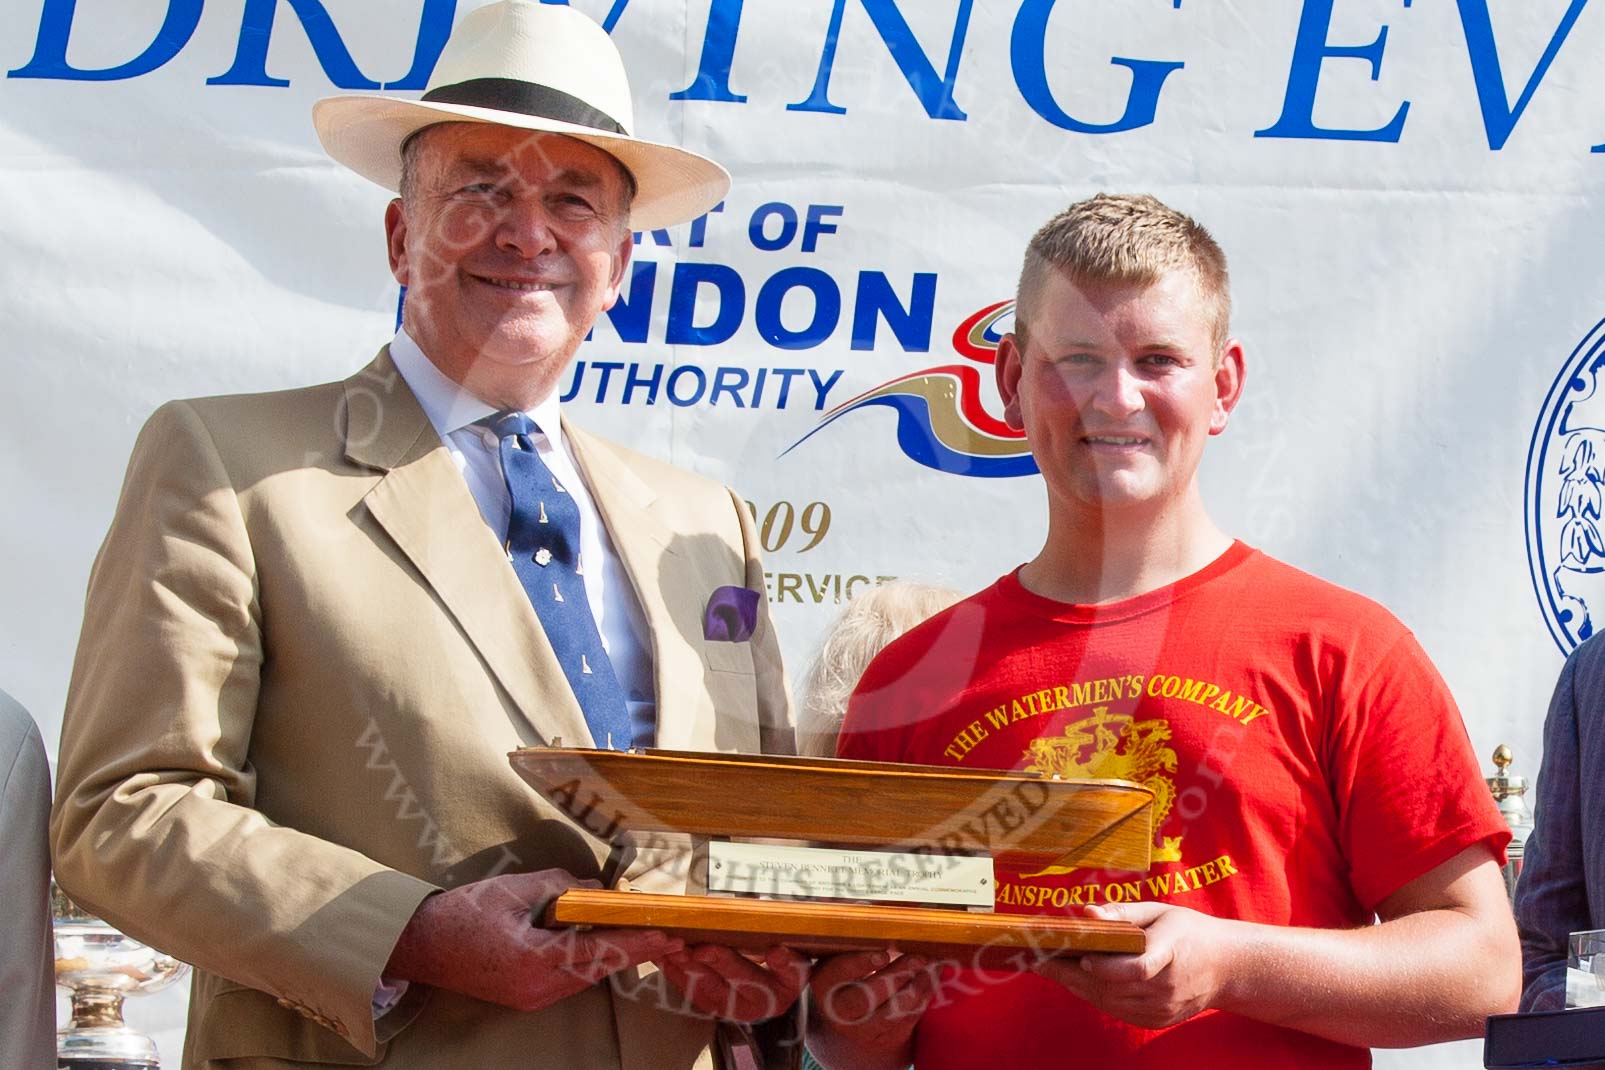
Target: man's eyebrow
1066	347
496	165
1074	345
479	165
582	179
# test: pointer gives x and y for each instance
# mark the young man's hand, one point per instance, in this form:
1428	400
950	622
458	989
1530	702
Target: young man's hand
864	1007
723	983
1179	973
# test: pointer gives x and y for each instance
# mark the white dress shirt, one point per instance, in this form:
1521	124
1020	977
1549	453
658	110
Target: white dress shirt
453	411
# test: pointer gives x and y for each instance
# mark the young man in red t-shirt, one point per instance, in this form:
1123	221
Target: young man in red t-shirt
1326	859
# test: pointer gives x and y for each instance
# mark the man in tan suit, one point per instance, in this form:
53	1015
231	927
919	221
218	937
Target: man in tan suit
314	633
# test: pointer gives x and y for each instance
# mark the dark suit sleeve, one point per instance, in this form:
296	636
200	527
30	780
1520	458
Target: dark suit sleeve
1552	894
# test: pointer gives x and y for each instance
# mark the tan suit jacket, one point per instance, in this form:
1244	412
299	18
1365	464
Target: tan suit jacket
304	660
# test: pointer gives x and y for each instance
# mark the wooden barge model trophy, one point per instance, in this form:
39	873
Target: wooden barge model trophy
825	855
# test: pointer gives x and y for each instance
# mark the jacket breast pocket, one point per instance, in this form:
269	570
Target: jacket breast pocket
728	657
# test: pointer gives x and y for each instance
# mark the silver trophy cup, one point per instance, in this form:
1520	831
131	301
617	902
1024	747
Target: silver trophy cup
1509	791
100	967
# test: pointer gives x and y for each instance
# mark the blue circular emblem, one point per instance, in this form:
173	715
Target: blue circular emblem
1565	485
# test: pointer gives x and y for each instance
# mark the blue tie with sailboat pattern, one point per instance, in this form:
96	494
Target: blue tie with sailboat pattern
543	544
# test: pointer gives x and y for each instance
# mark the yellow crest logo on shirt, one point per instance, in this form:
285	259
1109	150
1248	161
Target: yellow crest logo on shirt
1114	746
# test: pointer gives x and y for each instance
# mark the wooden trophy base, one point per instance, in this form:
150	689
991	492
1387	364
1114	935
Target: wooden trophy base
1018	817
986	941
922	812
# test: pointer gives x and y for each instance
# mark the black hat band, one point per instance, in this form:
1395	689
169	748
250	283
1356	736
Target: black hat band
527	98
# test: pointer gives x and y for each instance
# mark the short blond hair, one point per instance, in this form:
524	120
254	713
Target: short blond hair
870	621
1124	238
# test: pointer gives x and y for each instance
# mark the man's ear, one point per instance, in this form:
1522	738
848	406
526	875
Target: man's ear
621	261
1230	372
396	240
1007	368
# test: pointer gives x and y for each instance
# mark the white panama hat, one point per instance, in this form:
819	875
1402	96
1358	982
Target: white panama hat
531	66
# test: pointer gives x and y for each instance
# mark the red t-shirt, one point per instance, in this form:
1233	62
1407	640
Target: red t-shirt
1306	760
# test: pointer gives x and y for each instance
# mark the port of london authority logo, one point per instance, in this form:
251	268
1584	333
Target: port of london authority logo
1565	485
941	420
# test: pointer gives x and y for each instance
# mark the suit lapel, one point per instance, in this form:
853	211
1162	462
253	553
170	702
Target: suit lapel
667	585
424	505
623	498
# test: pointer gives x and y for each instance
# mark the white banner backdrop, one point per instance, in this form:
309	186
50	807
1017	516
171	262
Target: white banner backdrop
1406	191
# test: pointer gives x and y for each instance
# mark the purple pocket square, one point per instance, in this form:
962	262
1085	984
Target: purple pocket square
731	616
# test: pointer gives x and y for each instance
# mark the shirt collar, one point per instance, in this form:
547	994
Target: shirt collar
447	404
